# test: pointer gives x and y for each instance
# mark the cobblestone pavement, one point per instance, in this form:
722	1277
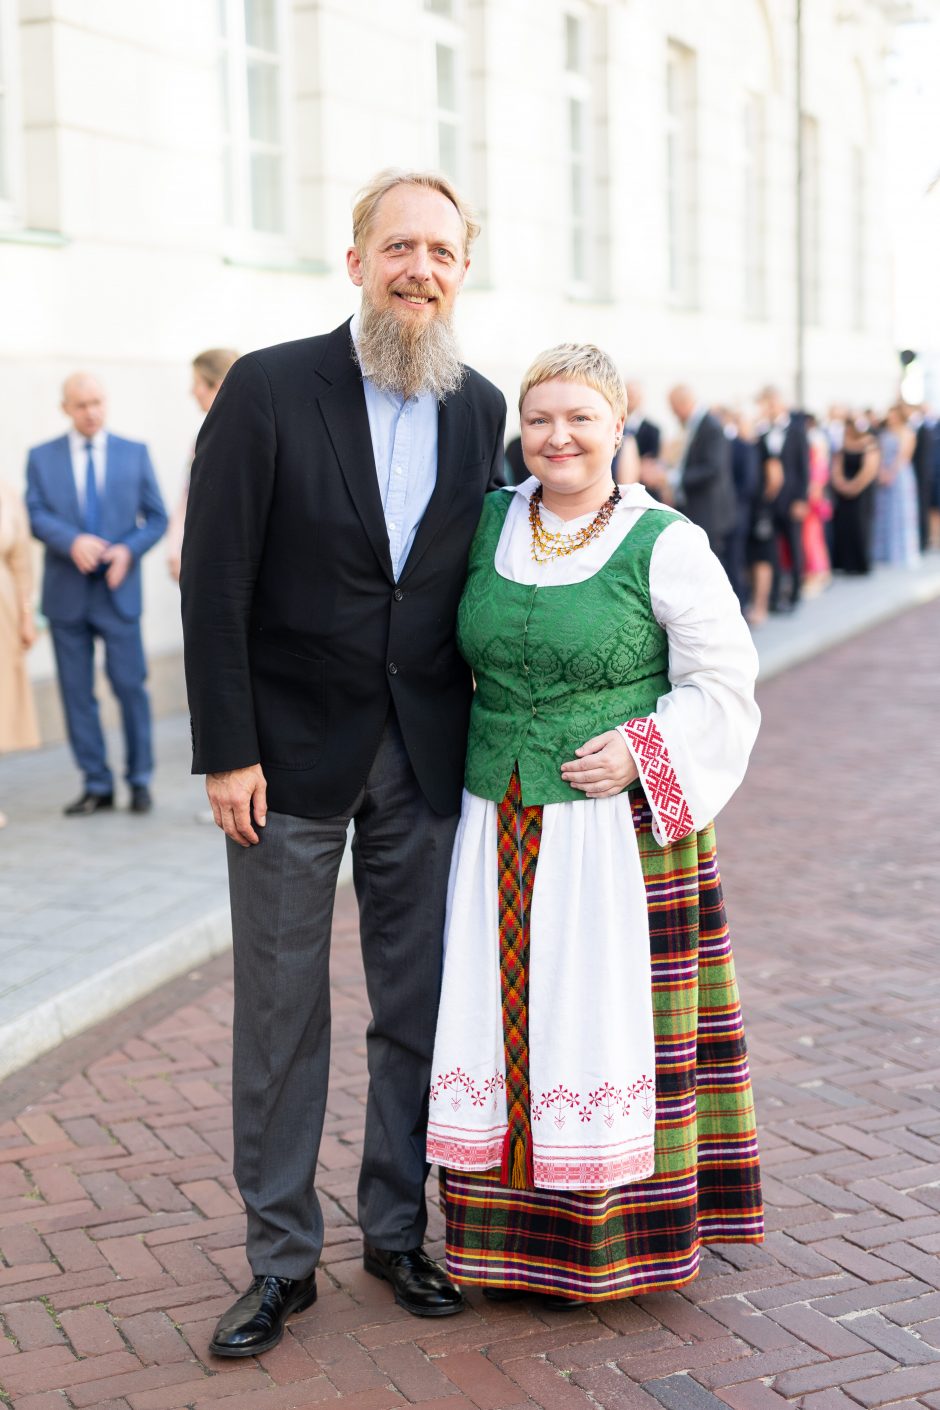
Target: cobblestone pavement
121	1236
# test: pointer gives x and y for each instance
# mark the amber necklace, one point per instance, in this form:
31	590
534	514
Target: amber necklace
546	545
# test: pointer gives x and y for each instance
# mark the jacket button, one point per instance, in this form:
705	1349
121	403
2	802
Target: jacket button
392	668
398	594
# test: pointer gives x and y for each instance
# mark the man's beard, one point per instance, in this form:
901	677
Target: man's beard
406	357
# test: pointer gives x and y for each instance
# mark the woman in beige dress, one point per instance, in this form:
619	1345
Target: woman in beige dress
18	728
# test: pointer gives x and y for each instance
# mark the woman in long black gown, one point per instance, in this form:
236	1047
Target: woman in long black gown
853	474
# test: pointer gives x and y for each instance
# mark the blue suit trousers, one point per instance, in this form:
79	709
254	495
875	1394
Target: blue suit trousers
126	668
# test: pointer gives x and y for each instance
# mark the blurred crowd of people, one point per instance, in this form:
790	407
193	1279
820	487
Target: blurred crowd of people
787	498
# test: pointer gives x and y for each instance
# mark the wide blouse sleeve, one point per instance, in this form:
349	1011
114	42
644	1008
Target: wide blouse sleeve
691	753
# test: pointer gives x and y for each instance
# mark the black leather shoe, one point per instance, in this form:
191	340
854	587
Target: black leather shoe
89	803
420	1286
141	801
255	1322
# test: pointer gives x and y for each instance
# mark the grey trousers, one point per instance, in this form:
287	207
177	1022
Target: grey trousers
282	892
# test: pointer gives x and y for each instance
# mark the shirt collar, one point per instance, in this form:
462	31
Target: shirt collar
78	442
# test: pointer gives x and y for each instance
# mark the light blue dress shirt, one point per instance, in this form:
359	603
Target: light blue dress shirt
404	444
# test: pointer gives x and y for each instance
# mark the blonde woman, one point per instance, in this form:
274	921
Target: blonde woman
18	727
209	369
590	1101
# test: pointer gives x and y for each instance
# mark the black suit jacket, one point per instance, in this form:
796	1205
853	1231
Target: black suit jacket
707	487
298	640
794	457
648	439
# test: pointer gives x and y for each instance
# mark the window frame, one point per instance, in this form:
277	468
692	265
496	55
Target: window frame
577	91
681	172
447	32
754	203
238	147
810	196
11	159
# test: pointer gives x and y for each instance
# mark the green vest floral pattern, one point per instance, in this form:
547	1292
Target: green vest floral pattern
555	666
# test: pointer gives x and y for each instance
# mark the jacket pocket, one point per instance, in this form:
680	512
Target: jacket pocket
290	706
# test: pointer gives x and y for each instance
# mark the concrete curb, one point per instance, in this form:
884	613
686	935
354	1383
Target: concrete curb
109	990
840	615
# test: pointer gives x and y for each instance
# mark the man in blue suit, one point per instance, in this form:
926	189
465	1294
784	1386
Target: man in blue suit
93	501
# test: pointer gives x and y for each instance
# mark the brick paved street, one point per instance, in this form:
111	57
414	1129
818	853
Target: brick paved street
121	1237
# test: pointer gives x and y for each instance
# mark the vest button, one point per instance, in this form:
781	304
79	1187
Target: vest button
398	594
392	668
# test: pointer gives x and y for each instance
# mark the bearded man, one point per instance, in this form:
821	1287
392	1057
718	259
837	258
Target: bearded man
335	490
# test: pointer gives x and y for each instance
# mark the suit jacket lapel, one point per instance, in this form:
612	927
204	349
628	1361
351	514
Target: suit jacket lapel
453	422
343	406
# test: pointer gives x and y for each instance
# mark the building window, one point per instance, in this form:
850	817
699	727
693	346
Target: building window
857	225
251	71
754	206
578	124
447	85
681	194
8	115
811	209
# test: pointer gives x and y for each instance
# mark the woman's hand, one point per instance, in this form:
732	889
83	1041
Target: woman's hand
603	766
27	628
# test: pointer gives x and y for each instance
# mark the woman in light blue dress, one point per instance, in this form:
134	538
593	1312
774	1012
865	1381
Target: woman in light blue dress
895	537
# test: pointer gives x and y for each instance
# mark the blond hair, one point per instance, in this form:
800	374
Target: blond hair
578	362
367	202
213	364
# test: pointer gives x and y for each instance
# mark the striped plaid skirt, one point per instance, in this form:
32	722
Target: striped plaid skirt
594	1245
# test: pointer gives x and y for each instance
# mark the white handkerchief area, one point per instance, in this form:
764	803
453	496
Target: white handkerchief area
591	1053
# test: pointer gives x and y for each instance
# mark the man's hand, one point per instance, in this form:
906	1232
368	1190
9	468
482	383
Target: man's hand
233	796
87	551
119	558
799	510
603	767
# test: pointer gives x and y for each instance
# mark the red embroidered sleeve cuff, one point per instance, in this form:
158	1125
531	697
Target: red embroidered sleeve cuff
672	819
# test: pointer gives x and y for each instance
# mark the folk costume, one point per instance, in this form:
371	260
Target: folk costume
590	1104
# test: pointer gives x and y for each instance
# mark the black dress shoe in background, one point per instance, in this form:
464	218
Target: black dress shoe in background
505	1294
89	803
420	1286
255	1322
141	801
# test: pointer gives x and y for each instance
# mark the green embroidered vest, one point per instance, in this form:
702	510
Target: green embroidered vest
555	666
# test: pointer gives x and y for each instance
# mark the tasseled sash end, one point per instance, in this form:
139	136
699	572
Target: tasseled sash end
516	1170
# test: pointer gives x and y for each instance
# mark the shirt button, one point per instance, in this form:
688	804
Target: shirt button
398	594
392	668
534	711
393	527
397	469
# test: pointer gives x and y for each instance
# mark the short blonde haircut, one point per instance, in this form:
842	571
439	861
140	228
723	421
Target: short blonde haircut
367	202
213	364
578	362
